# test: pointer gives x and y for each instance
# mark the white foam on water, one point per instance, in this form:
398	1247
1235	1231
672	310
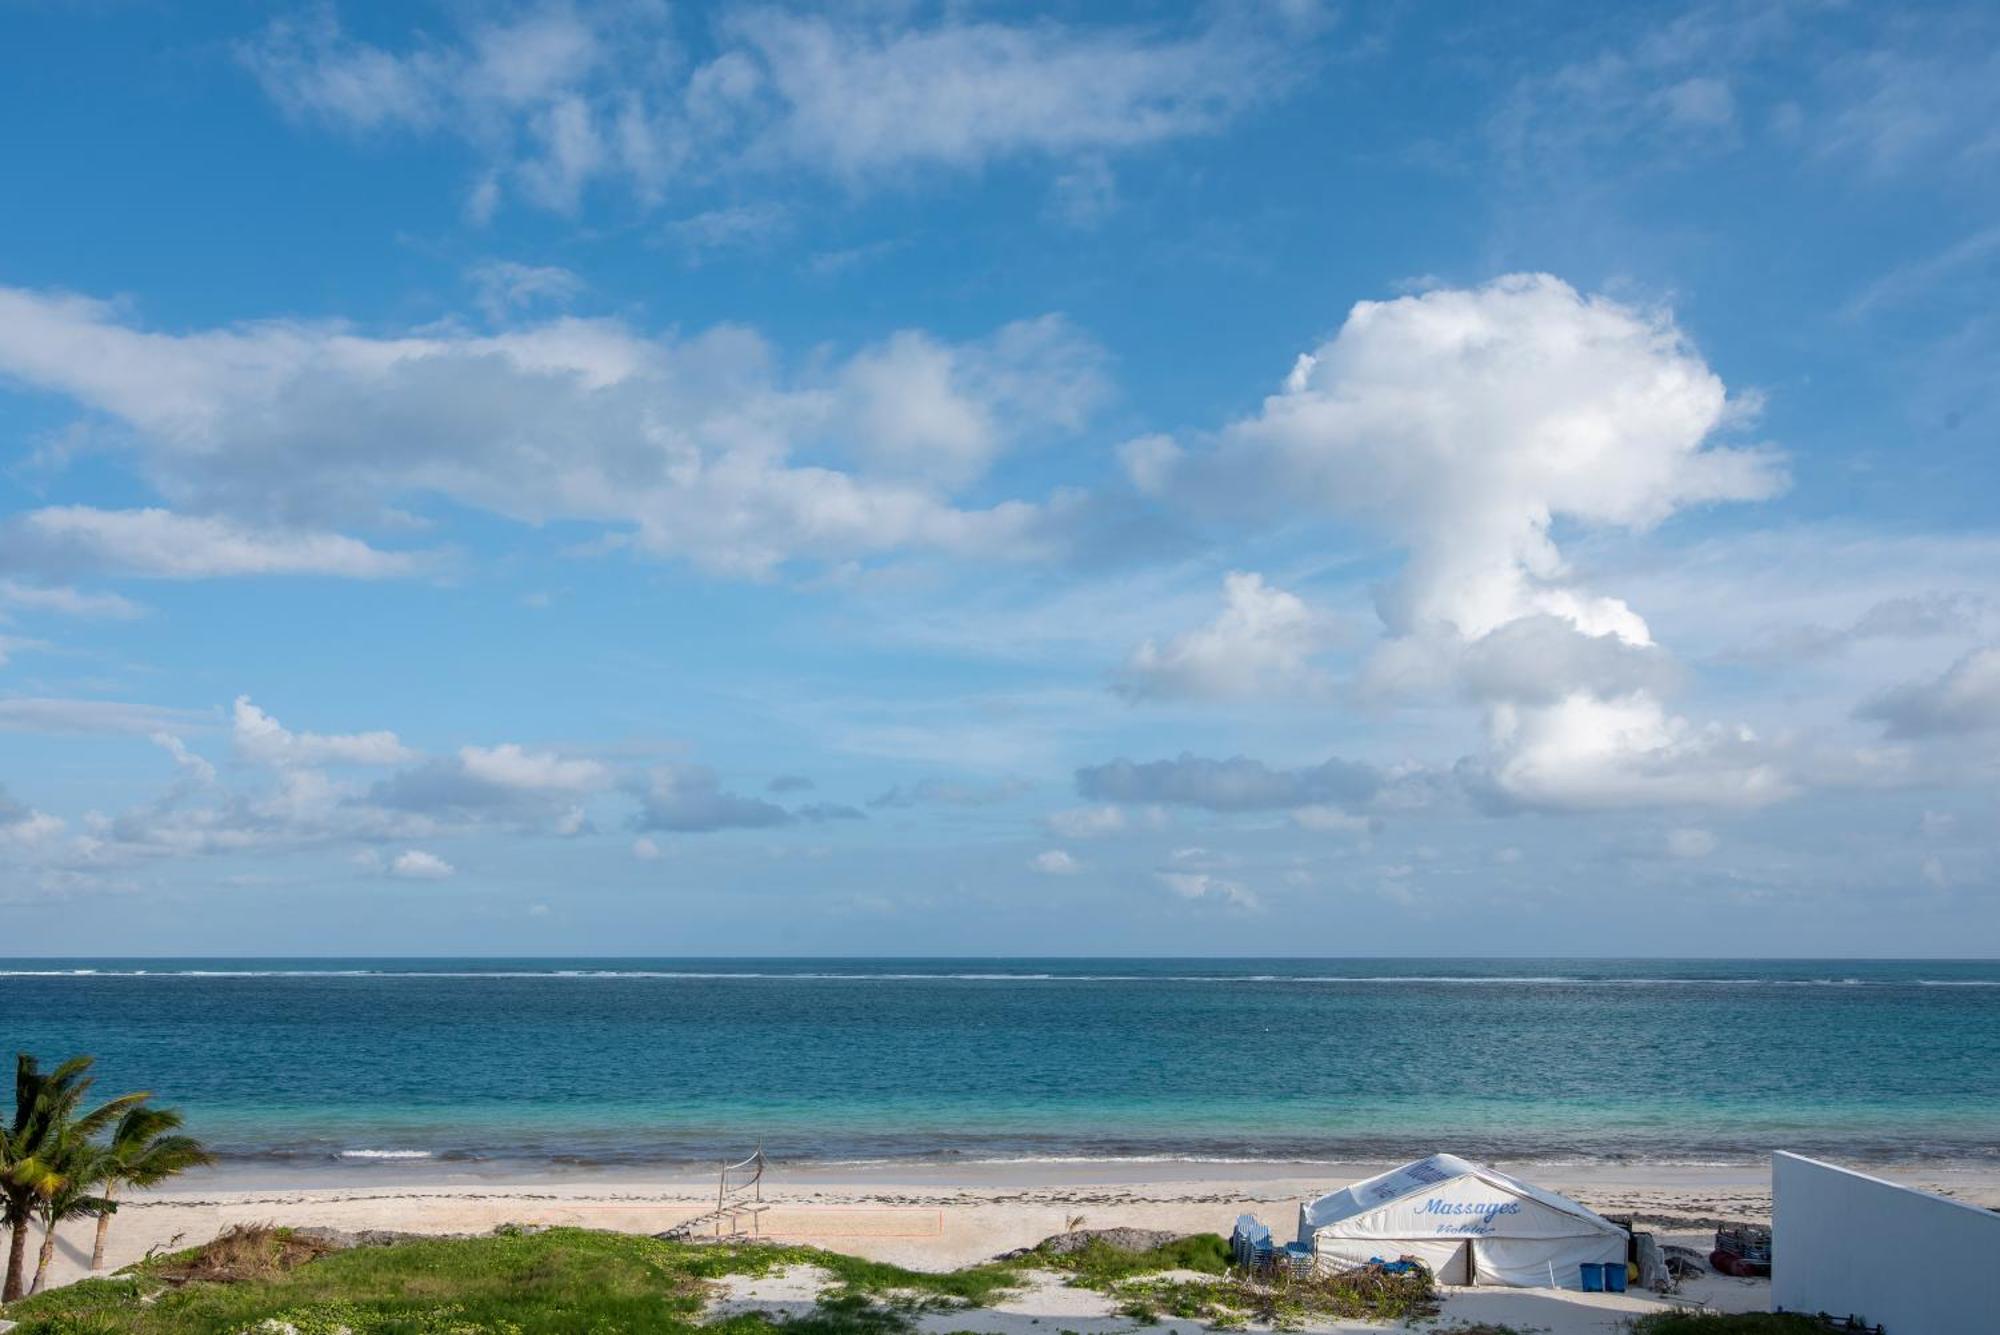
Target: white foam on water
1321	980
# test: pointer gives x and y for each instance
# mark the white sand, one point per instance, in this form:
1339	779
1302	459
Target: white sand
941	1218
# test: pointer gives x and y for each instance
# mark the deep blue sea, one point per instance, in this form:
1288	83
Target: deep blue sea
632	1062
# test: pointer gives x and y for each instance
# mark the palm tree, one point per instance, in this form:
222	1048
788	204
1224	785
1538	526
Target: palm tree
46	1105
75	1166
142	1154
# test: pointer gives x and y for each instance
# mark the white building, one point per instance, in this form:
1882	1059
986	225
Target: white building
1910	1261
1470	1224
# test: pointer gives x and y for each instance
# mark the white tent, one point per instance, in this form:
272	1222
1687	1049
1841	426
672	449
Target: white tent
1470	1224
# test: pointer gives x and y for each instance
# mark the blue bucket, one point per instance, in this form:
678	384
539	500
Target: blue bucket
1593	1277
1614	1277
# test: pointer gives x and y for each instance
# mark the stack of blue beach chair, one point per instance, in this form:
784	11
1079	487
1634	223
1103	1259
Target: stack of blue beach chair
1251	1245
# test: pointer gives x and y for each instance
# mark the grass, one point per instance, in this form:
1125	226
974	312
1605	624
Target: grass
1098	1266
1134	1280
1286	1303
559	1282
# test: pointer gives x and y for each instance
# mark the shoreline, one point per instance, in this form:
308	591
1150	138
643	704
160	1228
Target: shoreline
367	1172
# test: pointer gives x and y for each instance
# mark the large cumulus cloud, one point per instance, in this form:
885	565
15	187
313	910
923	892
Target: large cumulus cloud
1464	426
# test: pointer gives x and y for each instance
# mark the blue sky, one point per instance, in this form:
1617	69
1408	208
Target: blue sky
898	478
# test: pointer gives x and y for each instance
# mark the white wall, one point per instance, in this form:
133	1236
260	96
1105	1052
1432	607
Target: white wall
1846	1243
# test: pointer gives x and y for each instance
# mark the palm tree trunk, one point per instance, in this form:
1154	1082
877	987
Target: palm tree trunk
103	1227
17	1262
42	1263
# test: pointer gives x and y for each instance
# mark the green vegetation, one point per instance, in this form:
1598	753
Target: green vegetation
53	1169
145	1150
1099	1265
1285	1303
514	1283
274	1281
1146	1291
579	1282
1727	1323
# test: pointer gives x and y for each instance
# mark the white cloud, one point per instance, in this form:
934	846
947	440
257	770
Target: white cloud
60	716
1700	101
1590	753
1690	843
734	227
1260	647
1921	280
558	99
1901	617
270	434
511	766
1086	822
1085	195
950	793
1465	424
160	544
22	828
1055	862
196	768
690	799
933	412
1965	698
414	864
64	601
1665	89
646	849
292	795
505	286
259	737
506	785
1934	824
1333	820
14	644
862	102
1201	885
1897	103
1236	784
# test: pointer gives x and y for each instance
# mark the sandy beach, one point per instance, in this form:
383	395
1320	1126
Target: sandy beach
940	1217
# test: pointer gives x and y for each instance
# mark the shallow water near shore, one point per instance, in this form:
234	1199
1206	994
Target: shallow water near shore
608	1064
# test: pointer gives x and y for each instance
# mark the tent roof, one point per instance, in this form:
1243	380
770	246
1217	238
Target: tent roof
1427	1175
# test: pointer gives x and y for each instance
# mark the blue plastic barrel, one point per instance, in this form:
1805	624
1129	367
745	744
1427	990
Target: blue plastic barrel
1614	1277
1593	1277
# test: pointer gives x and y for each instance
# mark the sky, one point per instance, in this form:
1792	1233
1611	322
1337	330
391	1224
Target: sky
891	478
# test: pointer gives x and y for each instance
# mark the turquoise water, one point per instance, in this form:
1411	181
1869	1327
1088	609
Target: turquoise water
660	1061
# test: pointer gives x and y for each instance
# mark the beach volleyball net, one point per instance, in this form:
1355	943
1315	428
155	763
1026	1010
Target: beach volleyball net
739	1202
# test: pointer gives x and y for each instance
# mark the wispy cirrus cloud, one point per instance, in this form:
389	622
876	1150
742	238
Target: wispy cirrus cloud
62	600
54	716
1232	785
556	99
151	543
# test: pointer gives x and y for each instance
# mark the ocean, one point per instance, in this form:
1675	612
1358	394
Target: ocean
538	1062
